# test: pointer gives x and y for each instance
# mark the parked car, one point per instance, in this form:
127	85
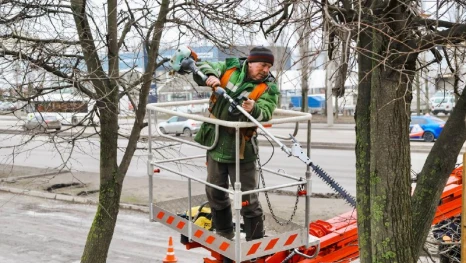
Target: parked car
7	106
426	128
442	104
42	123
180	125
192	108
443	93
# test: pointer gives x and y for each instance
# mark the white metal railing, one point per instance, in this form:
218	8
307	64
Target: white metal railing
286	116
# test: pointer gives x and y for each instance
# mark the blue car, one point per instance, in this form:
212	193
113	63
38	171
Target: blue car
426	128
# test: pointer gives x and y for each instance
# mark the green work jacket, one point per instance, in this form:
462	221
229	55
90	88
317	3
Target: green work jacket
237	86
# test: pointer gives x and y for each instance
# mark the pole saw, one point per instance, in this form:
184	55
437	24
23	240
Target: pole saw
183	62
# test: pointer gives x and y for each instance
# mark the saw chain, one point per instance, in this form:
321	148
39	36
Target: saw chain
297	151
333	184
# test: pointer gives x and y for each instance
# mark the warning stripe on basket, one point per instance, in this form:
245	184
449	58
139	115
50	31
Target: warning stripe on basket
270	245
201	235
226	247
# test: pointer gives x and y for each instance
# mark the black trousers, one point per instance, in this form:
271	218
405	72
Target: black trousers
222	174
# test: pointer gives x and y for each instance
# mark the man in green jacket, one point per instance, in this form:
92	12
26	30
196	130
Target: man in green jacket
240	78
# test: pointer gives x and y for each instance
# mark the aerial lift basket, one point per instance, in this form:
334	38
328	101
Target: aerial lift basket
279	238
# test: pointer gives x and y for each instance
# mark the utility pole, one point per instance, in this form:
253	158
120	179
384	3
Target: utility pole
328	75
418	91
424	73
304	54
303	43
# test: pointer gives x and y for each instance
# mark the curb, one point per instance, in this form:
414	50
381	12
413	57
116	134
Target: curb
15	179
264	142
322	145
68	198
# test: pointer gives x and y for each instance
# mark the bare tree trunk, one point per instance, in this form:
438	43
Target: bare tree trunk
363	148
382	159
435	173
390	162
101	232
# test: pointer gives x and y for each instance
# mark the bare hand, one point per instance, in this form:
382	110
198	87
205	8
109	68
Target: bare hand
212	81
248	105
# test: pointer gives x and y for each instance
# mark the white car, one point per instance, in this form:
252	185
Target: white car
180	125
192	108
442	104
42	122
7	106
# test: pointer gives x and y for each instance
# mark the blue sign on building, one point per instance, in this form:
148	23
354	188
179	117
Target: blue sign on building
152	94
132	60
127	61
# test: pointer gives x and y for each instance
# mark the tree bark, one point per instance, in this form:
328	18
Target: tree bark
391	231
101	232
363	147
390	164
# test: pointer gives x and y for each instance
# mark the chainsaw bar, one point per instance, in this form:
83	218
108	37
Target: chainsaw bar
334	185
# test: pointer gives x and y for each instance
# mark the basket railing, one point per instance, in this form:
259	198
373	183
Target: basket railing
285	116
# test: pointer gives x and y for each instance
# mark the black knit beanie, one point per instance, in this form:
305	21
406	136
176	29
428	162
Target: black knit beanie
261	54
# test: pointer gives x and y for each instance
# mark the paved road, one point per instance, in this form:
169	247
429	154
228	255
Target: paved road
340	164
339	136
36	230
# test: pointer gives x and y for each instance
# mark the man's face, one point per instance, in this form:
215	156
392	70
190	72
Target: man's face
258	70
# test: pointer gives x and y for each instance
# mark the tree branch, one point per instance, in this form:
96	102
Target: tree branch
339	89
450	66
419	21
140	81
454	35
94	65
346	4
283	17
51	70
144	92
38	40
132	21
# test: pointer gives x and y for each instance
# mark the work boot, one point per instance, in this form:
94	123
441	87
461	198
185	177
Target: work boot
254	227
223	222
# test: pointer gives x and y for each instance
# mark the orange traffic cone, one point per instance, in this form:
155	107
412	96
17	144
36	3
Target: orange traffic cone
170	253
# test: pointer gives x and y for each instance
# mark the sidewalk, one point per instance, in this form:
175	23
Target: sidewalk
83	187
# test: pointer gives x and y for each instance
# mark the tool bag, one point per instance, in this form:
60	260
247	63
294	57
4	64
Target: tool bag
201	216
